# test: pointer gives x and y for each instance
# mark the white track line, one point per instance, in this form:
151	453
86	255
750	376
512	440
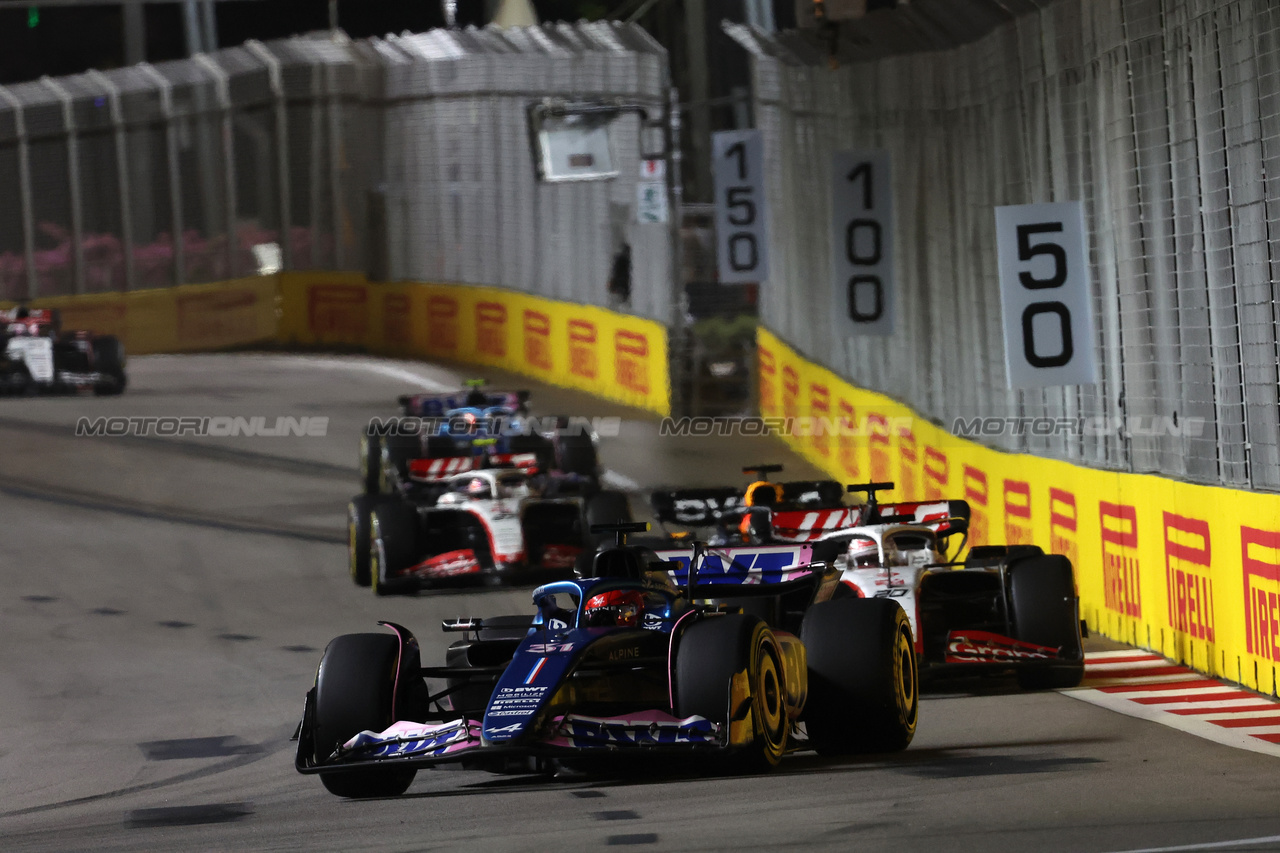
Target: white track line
1209	845
391	371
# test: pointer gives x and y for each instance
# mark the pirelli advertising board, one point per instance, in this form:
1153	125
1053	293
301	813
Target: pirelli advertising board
1191	572
605	353
608	354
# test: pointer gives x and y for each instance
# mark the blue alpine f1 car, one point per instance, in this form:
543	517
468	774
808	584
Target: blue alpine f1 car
747	660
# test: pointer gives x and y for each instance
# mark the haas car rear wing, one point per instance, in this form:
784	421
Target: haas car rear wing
943	515
425	470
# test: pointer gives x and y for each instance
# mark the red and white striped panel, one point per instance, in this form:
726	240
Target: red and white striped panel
808	525
435	469
1145	685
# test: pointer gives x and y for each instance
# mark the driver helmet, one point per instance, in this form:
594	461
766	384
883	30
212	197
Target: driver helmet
620	608
477	486
863	553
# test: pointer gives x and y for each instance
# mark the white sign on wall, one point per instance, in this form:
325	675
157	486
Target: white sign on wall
862	243
1044	292
737	163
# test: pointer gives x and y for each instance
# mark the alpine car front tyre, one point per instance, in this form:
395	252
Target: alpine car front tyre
863	676
711	654
353	694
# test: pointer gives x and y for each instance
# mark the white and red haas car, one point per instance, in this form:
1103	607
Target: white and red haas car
1003	607
482	518
38	356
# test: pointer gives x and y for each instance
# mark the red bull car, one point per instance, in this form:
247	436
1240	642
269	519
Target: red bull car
39	357
621	664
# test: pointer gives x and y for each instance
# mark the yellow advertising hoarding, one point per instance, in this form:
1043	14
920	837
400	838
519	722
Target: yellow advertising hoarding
1190	571
611	355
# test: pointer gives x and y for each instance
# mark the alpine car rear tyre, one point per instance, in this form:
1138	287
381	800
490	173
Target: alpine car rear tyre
370	462
393	546
359	510
353	694
711	652
863	676
1043	598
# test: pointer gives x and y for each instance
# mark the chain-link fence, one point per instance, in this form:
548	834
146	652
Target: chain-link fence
1162	116
409	157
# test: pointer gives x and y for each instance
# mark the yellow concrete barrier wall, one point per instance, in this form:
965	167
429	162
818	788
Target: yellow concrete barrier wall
1190	571
189	318
605	353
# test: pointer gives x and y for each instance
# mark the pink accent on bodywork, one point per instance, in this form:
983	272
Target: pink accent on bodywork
395	687
409	730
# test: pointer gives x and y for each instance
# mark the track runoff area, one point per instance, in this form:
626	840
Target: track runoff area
167	599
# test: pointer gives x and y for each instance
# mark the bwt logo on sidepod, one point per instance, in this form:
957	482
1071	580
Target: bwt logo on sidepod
341	310
977	494
1063	521
1120	572
631	361
1187	555
442	324
583	360
491	328
1017	512
396	328
1261	552
537	339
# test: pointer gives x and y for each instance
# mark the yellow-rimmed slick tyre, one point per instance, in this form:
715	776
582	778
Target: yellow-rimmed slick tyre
713	655
359	509
864	677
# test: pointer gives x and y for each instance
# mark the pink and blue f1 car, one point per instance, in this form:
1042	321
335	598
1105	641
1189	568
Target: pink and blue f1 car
744	661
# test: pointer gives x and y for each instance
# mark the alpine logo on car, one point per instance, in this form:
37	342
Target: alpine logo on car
983	646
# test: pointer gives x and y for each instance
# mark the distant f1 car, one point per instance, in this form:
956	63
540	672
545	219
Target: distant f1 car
39	357
1003	607
619	663
475	423
487	518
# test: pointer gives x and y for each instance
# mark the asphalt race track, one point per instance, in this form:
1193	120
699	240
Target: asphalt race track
166	600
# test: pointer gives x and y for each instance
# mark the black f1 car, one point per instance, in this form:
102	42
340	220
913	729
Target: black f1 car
617	663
